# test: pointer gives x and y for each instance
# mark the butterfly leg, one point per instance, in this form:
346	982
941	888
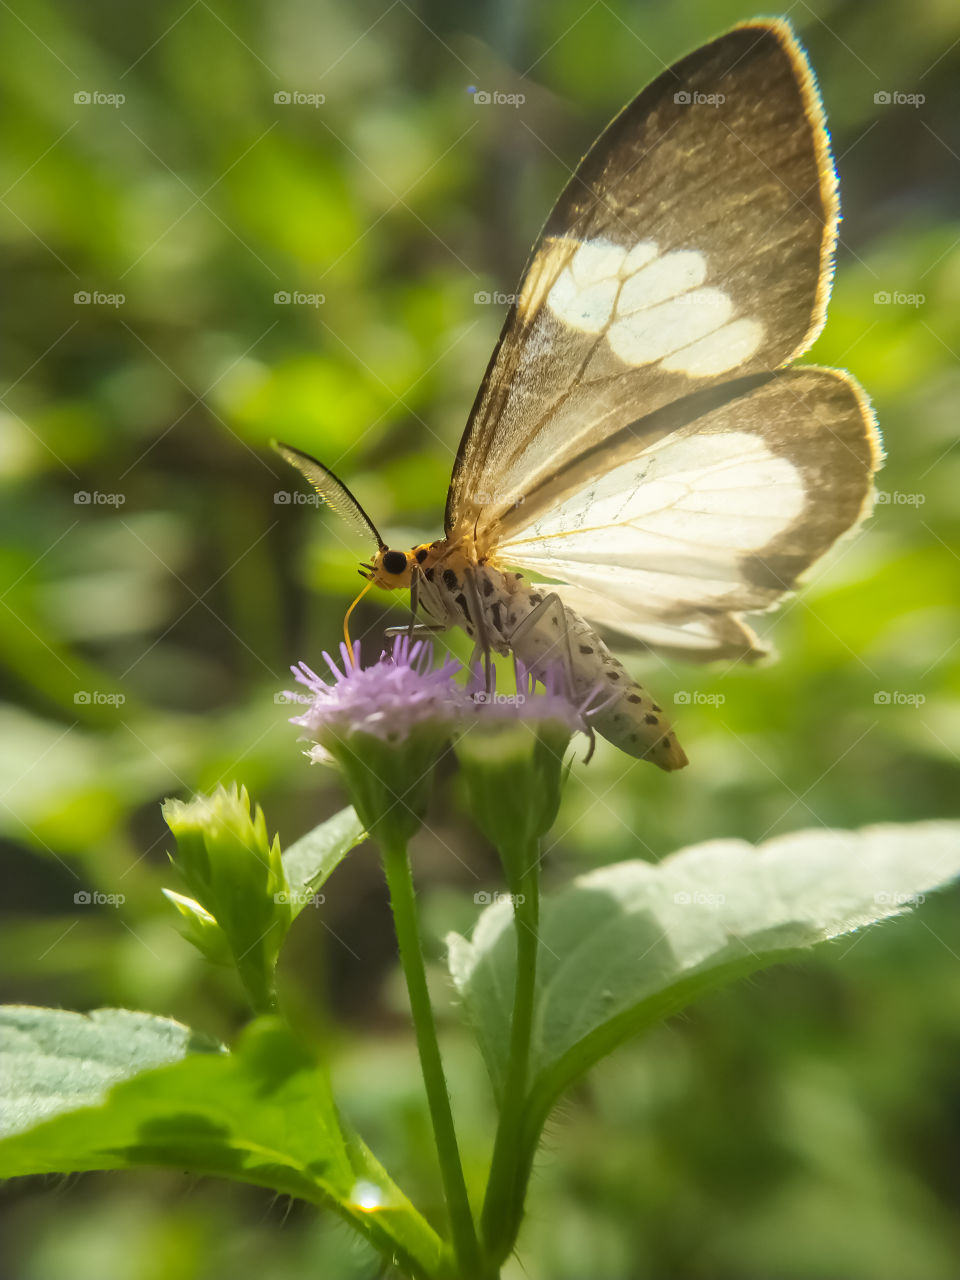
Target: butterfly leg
549	613
546	619
482	645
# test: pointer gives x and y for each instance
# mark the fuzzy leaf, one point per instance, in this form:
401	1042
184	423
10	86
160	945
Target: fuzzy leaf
262	1114
627	945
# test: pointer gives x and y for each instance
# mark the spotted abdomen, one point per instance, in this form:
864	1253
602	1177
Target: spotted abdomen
504	612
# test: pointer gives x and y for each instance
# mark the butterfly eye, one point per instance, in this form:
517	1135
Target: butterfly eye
394	561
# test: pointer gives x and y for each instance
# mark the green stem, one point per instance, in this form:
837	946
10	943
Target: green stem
506	1188
402	900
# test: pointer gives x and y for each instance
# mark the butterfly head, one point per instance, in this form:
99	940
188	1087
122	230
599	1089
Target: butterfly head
392	569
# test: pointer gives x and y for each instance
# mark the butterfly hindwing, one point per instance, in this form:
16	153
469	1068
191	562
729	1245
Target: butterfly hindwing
687	525
692	245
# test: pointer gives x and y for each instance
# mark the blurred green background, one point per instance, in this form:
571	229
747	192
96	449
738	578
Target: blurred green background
803	1125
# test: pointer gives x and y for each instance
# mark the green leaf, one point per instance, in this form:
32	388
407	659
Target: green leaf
311	861
52	1060
627	945
262	1114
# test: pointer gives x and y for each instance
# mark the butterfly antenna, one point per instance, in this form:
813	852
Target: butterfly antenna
346	622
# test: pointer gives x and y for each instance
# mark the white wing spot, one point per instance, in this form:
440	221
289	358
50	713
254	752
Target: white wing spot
664	278
652	308
656	331
719	351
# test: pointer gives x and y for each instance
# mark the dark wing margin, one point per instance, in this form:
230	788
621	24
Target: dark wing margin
725	158
333	491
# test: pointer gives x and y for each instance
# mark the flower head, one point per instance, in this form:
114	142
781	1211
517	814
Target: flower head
384	726
389	700
513	758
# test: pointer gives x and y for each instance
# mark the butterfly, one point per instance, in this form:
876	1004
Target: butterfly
638	439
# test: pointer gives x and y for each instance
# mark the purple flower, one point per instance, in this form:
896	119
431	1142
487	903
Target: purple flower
553	703
388	700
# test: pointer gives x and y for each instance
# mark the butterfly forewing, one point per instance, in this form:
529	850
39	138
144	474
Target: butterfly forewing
691	246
